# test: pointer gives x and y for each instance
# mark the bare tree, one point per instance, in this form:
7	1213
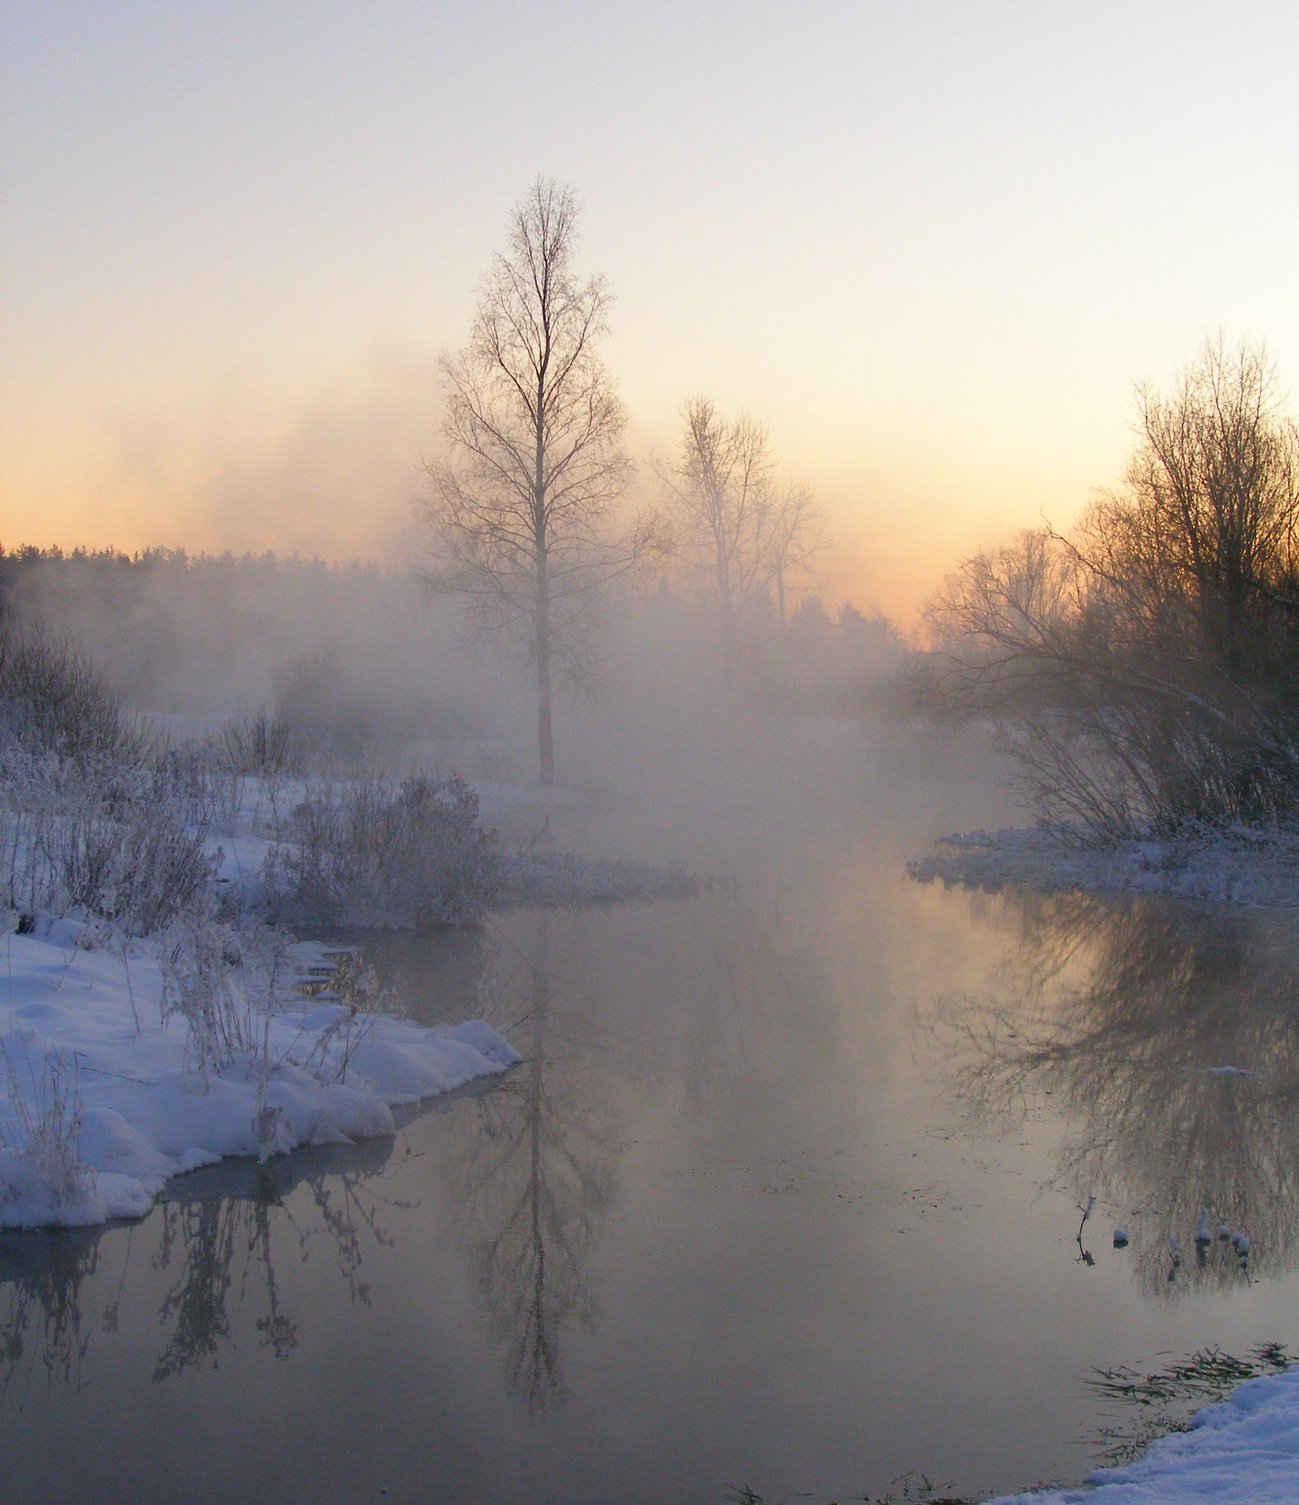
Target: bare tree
795	535
739	534
521	515
1201	538
1147	667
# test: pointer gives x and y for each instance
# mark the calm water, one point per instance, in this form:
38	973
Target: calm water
786	1194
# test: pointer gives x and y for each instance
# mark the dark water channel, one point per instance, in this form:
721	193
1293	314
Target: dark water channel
786	1193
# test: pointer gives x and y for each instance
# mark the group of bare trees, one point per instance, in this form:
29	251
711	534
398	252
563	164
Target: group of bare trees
738	534
523	515
1145	668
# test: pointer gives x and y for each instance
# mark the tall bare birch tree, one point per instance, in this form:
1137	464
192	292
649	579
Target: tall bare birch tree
521	512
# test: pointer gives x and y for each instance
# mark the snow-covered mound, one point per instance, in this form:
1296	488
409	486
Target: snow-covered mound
1242	1451
104	1093
1233	865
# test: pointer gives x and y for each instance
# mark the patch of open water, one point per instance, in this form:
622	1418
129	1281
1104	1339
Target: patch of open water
786	1193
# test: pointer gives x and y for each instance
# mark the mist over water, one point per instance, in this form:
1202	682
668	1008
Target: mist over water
787	1188
369	665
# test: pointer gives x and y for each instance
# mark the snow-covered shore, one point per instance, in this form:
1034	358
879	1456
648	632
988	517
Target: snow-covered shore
126	1061
104	1095
1241	1451
1233	865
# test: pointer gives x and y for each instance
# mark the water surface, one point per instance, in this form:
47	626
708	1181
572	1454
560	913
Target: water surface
787	1193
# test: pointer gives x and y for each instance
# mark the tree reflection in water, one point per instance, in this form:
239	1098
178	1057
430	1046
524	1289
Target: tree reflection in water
214	1237
1168	1037
41	1274
534	1175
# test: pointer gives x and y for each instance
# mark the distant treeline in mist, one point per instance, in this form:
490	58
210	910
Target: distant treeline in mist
360	658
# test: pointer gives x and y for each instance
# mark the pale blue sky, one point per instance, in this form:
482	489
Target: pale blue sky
931	244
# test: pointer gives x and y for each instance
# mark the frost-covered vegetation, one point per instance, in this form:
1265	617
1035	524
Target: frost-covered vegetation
1221	864
155	1017
1143	670
101	820
367	853
151	1022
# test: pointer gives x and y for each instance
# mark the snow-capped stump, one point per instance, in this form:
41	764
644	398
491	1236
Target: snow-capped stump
1121	1239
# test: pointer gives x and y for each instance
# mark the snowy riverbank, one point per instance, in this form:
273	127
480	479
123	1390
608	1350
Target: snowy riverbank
107	1088
1242	1451
1234	865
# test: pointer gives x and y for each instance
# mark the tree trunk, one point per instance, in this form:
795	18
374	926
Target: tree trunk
545	736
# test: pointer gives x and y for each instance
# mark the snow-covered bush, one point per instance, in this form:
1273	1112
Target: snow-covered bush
366	852
41	1170
222	980
258	742
200	774
53	699
89	834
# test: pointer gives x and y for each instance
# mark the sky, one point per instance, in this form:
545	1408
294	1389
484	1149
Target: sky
932	244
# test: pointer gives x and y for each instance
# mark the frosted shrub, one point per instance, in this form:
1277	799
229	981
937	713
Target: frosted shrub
197	774
135	866
221	979
260	743
361	1000
369	854
94	836
52	698
45	1174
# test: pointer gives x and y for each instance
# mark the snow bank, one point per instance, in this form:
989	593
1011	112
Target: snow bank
1242	1451
1235	865
101	1099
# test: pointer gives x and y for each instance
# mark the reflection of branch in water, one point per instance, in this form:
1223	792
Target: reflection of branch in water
536	1177
1125	1014
1085	1256
216	1235
41	1274
195	1306
210	1234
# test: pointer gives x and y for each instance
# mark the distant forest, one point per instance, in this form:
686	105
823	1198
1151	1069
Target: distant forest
341	649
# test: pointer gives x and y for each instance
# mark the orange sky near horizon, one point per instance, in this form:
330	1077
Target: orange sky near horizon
931	245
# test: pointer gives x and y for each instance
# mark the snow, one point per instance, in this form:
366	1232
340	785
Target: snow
1242	1451
1233	865
102	1099
124	1062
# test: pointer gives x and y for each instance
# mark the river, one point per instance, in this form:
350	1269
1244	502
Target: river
786	1194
